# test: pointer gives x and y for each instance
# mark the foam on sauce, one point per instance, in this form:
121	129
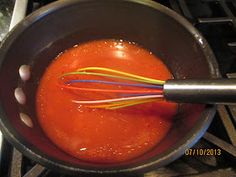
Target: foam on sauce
99	135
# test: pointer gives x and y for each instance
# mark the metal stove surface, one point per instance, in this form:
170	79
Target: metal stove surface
6	8
216	20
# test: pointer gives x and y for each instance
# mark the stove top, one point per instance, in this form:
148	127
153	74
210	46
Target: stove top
6	9
216	20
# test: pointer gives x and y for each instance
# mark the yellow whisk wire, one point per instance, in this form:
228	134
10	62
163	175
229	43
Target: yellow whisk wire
146	79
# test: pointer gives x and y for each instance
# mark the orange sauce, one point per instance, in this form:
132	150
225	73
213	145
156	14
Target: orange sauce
99	135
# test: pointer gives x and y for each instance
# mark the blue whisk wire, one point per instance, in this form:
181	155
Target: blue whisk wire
114	83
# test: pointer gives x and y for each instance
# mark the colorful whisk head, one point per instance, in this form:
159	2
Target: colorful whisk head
124	89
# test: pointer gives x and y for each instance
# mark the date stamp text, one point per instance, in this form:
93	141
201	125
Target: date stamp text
202	152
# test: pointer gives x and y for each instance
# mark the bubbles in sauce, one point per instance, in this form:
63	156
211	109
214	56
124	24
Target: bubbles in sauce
99	135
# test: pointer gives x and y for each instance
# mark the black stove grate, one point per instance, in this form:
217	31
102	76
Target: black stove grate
216	20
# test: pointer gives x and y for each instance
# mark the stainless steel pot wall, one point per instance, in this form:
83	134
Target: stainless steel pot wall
58	26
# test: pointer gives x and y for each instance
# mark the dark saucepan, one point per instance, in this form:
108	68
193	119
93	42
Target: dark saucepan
50	30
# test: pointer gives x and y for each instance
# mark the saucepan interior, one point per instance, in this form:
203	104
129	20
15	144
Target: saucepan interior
42	36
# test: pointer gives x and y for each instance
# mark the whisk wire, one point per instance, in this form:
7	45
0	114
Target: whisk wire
114	83
153	88
155	81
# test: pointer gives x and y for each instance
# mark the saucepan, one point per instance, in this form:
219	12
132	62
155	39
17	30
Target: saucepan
40	37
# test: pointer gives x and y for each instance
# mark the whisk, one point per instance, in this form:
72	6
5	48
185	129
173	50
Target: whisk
134	89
